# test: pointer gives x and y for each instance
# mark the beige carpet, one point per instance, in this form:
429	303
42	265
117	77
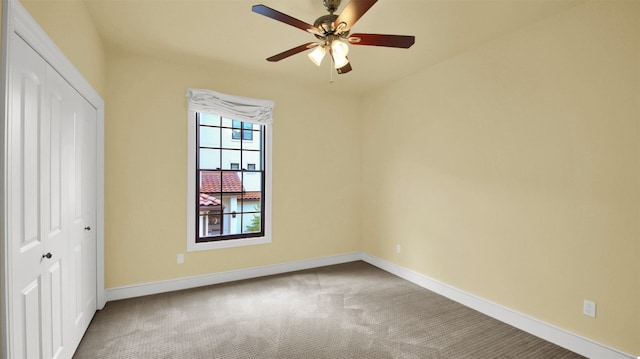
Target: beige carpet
350	310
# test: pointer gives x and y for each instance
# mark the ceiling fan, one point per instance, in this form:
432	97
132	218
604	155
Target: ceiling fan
333	34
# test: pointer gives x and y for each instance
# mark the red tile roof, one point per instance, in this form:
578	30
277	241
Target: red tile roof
220	181
209	201
251	195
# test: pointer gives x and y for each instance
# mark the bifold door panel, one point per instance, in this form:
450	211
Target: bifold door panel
51	197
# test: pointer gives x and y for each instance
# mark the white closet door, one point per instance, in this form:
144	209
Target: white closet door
52	141
82	150
32	317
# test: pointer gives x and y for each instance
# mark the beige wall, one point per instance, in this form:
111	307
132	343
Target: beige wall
513	171
69	25
315	179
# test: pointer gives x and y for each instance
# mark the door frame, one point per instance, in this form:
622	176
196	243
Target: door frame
16	19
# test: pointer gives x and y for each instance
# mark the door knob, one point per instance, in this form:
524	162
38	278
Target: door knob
48	255
87	228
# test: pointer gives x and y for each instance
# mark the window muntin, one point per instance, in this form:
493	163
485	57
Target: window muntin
230	193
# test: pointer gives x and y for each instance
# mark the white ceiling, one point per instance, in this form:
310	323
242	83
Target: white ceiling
228	31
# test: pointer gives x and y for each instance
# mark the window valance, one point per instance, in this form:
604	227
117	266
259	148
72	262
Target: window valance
233	107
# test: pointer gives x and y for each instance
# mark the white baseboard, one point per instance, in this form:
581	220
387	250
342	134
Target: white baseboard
138	290
548	332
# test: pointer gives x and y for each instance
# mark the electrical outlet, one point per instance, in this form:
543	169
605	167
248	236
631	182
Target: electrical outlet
180	258
589	308
398	249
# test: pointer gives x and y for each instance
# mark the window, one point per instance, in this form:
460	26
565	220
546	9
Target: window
242	130
228	194
229	178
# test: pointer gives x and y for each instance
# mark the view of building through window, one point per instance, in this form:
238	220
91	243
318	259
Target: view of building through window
230	178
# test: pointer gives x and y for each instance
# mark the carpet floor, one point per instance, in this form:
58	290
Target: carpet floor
351	310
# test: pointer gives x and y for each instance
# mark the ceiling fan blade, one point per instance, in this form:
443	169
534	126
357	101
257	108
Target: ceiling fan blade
352	12
291	52
401	41
277	15
344	69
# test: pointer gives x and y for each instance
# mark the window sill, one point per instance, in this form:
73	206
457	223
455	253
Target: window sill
231	243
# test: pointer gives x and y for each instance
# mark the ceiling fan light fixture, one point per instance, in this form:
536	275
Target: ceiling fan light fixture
339	61
317	55
339	52
339	48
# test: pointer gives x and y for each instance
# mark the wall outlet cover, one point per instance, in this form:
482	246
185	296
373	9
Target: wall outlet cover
589	308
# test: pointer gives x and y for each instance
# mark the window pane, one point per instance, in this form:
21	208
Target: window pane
230	202
255	143
229	157
235	166
231	224
252	181
231	138
250	157
211	224
210	183
209	159
207	119
209	136
252	222
249	202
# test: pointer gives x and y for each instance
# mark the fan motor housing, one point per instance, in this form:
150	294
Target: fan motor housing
325	25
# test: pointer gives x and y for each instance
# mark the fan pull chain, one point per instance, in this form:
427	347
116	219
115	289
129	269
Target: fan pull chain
331	66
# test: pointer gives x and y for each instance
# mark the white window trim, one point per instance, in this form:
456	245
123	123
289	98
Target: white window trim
244	109
192	245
